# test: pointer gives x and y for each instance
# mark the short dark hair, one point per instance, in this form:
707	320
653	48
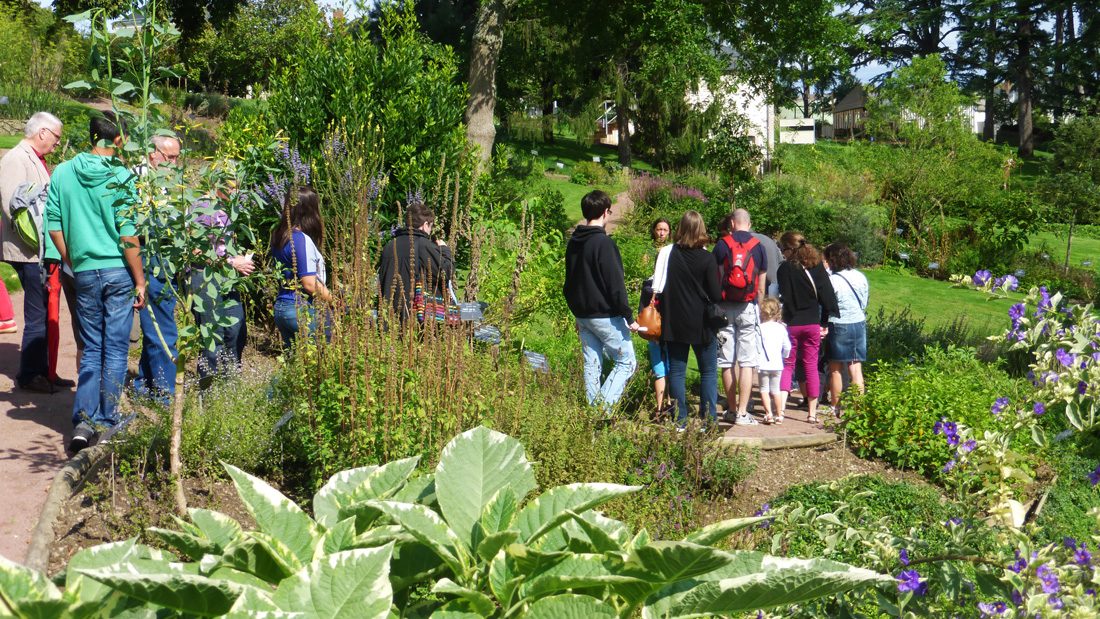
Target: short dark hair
417	215
595	204
726	225
104	126
840	257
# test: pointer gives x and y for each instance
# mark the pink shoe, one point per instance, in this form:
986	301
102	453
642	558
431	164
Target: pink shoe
8	326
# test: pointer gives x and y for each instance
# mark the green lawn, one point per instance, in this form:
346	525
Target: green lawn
572	194
938	303
1083	247
9	141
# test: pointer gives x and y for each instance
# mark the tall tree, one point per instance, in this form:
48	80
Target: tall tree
821	62
897	31
484	52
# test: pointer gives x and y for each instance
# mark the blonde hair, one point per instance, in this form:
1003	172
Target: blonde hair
770	310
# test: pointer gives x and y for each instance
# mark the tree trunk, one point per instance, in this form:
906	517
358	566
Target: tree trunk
622	110
484	53
547	114
175	462
805	99
1069	240
1024	78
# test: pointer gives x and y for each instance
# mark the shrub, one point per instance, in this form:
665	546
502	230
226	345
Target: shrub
894	420
786	204
589	173
861	227
1071	498
1079	283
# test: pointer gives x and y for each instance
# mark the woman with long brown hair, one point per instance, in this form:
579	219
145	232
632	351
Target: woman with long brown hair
808	302
691	285
295	245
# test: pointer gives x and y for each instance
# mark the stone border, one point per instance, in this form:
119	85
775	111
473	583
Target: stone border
767	443
68	481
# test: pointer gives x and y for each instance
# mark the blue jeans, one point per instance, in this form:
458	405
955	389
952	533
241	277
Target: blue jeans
104	301
286	318
156	375
707	358
610	337
33	355
225	356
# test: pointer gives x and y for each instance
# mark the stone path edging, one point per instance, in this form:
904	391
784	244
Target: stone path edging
68	481
767	443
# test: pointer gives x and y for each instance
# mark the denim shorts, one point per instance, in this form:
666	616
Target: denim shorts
658	359
847	342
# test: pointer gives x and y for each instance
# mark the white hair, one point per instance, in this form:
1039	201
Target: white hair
40	121
160	141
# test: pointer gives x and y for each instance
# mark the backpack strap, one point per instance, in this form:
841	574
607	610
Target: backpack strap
855	294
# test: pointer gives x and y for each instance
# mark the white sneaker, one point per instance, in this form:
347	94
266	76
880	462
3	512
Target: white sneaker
745	419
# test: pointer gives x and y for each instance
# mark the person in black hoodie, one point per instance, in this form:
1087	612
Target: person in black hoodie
411	252
596	293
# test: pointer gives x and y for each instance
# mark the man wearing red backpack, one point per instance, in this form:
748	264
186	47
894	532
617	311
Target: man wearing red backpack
742	265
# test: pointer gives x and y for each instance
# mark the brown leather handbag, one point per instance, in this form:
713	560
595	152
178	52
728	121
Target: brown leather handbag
650	320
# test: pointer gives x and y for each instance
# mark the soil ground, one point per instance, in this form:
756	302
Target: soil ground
33	431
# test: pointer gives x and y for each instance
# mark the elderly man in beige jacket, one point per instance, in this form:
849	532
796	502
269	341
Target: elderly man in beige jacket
23	170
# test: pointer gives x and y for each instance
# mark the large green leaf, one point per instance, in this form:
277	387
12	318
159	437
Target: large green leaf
255	555
339	537
761	582
192	546
498	513
354	485
569	607
217	527
591	533
669	562
188	593
412	564
714	533
480	602
22	587
551	508
579	571
428	529
491	545
276	515
354	584
472	469
96	557
419	489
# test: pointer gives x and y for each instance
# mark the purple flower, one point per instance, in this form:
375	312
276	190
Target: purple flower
1083	557
1070	543
990	609
1094	476
1010	283
953	521
910	580
1039	408
1090	591
1082	387
999	405
1016	312
1055	602
375	187
947	468
980	278
1044	301
1049	578
1067	359
968	446
764	509
903	556
414	196
1020	564
949	429
1017	597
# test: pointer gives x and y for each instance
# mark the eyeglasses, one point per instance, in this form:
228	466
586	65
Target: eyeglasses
167	157
53	133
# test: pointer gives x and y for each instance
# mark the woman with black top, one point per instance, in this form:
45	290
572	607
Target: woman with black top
690	286
808	302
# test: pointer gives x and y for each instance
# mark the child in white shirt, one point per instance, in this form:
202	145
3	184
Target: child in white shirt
775	345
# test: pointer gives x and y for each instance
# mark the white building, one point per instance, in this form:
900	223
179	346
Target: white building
740	98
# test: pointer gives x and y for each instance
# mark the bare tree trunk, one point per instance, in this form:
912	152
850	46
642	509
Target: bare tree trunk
484	53
1069	240
805	99
622	113
175	463
1024	78
989	129
547	114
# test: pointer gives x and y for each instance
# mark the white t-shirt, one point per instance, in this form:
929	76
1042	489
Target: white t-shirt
852	293
775	345
660	269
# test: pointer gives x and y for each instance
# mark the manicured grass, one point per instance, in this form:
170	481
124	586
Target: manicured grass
1054	242
572	194
8	275
9	141
938	303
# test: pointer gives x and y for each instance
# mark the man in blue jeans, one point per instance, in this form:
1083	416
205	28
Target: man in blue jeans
156	376
87	218
596	293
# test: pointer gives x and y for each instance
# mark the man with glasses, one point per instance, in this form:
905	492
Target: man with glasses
157	367
24	178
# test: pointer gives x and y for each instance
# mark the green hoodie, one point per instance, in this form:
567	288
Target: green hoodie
87	200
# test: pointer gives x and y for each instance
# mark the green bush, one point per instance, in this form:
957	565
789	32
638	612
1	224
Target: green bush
23	101
894	420
405	87
904	506
786	204
1078	283
589	173
861	227
1066	511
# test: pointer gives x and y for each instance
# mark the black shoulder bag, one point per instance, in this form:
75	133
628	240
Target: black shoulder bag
713	316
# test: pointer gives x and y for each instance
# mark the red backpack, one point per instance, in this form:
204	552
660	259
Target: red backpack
740	284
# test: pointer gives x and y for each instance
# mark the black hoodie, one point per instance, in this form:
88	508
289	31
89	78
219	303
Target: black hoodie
413	251
594	285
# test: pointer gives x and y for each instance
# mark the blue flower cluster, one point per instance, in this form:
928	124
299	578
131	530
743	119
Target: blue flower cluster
910	581
1005	282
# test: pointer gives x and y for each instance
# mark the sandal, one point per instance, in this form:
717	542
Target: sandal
779	419
812	419
768	419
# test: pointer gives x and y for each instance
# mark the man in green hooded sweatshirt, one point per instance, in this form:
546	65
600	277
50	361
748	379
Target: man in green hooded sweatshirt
87	215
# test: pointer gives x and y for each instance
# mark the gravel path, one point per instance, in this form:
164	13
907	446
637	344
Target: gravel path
33	428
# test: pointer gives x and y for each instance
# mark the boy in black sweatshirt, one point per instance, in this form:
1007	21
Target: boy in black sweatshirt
596	294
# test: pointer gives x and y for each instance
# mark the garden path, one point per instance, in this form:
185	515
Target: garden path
621	205
33	429
795	431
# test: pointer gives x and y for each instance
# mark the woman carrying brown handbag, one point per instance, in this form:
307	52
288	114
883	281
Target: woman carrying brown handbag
651	289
